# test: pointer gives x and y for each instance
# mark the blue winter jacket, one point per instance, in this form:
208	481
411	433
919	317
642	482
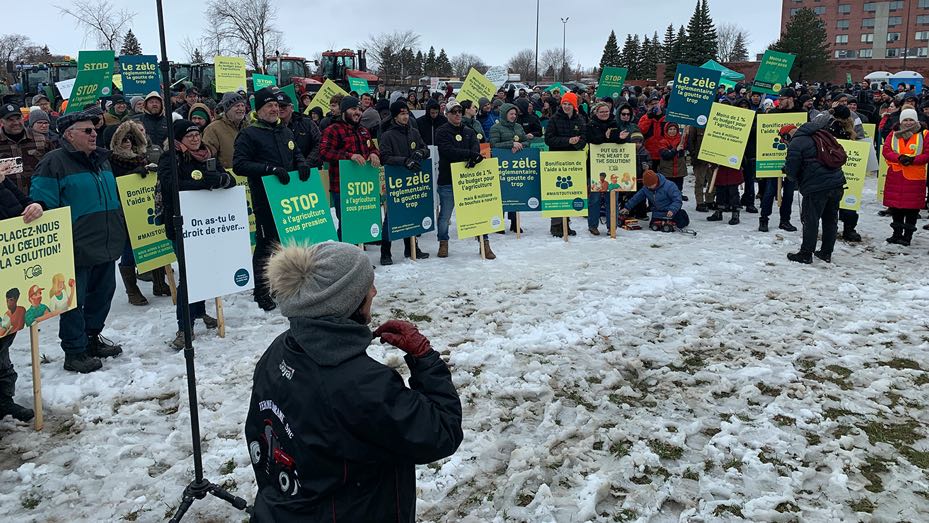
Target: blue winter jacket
67	177
666	197
488	120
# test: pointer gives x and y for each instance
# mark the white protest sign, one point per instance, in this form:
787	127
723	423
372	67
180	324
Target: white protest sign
64	87
497	74
216	243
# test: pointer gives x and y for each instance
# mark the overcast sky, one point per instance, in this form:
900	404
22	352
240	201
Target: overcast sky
311	26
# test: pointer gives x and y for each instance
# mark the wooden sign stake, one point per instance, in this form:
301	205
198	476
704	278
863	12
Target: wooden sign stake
413	248
220	318
564	228
519	225
38	422
172	284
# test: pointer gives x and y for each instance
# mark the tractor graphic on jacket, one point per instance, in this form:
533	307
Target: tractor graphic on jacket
266	453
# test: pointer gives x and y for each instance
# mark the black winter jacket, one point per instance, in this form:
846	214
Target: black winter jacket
596	131
12	201
217	178
397	143
334	435
156	128
528	119
429	126
455	144
803	168
561	129
258	149
307	136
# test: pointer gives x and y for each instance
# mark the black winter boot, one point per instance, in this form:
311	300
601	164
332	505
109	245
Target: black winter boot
81	363
897	235
851	235
717	216
9	408
100	347
735	218
800	257
762	225
787	226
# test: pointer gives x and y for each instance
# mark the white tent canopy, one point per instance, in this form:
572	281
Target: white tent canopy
906	74
878	75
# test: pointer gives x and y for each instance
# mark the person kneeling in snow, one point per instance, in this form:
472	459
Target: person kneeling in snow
664	200
333	434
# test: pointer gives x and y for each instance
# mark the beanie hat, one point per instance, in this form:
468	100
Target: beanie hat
398	106
230	99
481	102
636	136
649	178
264	96
39	97
326	279
283	98
497	102
201	112
134	100
786	129
37	115
909	114
571	98
597	106
843	112
348	102
182	127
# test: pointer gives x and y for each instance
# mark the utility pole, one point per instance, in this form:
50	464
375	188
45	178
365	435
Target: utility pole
536	42
564	40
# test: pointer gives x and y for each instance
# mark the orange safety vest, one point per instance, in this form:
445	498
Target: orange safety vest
911	147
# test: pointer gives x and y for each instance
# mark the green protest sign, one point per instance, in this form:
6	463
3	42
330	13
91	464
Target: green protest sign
611	82
291	91
556	87
260	81
773	72
300	209
94	79
360	200
359	85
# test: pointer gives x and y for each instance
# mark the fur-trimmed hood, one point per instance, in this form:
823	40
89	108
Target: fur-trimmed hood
135	132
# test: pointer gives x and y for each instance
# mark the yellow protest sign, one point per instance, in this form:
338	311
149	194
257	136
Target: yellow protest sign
36	269
770	151
869	130
118	81
252	227
881	179
475	87
564	183
325	93
726	134
478	204
855	169
612	165
229	73
150	246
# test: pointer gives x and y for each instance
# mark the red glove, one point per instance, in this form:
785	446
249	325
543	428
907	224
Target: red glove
405	336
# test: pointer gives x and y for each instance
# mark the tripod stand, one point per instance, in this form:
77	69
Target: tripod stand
200	486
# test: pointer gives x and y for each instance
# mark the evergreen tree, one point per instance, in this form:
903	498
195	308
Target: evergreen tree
668	45
701	36
739	50
630	56
46	54
611	55
197	58
805	37
130	45
651	55
419	64
676	55
429	63
443	65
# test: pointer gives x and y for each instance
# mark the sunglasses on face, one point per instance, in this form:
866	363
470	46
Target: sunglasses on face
86	130
625	114
455	111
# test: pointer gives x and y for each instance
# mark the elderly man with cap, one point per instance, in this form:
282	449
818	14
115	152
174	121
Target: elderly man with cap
153	119
16	141
79	175
45	104
266	147
346	139
821	186
331	432
137	105
401	144
220	134
191	97
306	133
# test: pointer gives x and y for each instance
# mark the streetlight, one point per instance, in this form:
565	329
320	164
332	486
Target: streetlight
536	42
564	51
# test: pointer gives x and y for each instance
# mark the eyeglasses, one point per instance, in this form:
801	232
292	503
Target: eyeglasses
86	130
455	111
625	114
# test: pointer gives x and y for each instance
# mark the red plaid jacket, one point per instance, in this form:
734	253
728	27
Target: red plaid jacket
340	141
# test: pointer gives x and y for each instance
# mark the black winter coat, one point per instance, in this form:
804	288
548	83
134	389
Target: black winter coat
596	131
561	129
429	126
307	136
155	127
453	150
258	149
802	166
217	178
334	435
396	143
12	201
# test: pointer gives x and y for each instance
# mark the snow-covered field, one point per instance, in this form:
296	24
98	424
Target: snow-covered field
657	377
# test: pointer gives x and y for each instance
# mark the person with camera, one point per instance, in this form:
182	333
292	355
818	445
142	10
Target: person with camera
401	144
197	170
333	434
267	147
456	142
18	141
78	174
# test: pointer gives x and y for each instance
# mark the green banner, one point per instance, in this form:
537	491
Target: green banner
556	87
773	72
300	209
360	199
291	91
260	81
359	85
150	246
94	79
611	82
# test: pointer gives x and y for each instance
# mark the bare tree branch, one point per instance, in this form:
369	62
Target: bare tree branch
384	50
242	27
726	36
463	63
523	63
100	20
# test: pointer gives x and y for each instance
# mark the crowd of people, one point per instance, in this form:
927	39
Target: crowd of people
327	290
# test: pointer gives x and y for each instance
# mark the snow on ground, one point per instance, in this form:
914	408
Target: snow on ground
657	377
